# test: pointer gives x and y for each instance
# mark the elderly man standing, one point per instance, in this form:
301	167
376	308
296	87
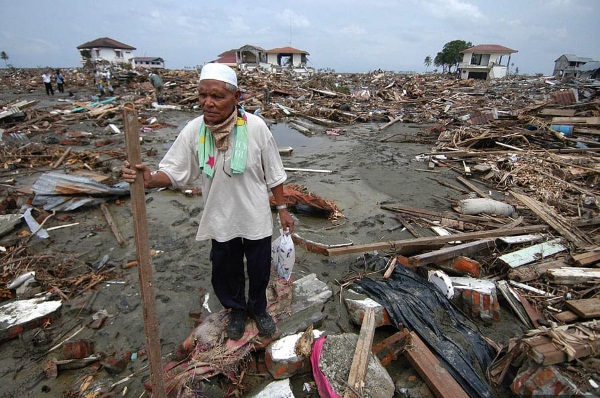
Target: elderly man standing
236	158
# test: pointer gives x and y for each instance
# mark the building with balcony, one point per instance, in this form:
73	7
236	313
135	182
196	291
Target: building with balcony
569	65
485	62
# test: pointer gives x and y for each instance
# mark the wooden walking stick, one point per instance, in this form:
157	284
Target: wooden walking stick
142	244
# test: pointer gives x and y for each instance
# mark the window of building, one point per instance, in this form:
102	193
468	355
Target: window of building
476	59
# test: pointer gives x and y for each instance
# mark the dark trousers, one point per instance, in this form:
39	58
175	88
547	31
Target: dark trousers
49	89
61	87
228	277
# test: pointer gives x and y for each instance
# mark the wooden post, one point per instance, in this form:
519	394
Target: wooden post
142	243
360	362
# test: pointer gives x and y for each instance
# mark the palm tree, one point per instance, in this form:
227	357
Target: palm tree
5	57
427	62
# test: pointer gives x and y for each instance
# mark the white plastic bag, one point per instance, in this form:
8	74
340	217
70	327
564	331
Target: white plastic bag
283	255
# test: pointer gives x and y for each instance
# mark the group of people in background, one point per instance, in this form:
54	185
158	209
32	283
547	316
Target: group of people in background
58	78
103	82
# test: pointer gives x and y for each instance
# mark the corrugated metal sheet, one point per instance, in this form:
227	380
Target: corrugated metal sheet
564	97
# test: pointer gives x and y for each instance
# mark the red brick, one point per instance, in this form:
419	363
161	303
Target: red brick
533	380
283	369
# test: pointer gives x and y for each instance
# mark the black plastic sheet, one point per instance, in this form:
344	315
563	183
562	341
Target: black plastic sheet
414	303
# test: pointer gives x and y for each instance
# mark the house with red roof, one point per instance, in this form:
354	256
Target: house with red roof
248	56
106	49
485	62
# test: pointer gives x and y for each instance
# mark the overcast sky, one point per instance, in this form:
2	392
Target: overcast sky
347	36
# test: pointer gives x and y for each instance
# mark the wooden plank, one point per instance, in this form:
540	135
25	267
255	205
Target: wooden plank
396	245
62	158
142	243
84	105
544	351
572	275
451	252
587	258
409	227
362	354
440	215
98	177
583	130
534	315
534	271
552	218
576	120
585	308
473	188
566	316
557	112
111	222
533	253
396	119
437	378
512	298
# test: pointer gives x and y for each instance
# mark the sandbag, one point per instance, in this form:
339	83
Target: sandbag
484	205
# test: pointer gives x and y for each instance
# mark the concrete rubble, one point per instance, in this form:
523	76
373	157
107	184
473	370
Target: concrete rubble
525	151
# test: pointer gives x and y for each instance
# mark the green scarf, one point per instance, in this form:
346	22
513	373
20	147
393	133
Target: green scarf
206	147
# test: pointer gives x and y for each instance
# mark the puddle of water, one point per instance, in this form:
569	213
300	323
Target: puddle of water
287	136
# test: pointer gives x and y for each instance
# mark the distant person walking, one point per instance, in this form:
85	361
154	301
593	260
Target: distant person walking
157	83
99	80
60	81
47	79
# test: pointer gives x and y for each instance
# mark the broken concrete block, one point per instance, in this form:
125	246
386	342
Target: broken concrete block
8	222
308	297
19	316
275	389
334	365
281	359
309	292
357	304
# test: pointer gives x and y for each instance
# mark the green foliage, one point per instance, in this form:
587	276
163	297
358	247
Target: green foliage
427	62
451	54
5	57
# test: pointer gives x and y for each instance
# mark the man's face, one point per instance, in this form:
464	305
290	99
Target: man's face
216	101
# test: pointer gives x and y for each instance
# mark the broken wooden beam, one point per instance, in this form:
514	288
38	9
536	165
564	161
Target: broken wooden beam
555	220
572	275
451	252
111	222
362	354
62	158
437	378
396	245
534	271
588	258
473	188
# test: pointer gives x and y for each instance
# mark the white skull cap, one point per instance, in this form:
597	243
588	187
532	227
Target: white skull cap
214	71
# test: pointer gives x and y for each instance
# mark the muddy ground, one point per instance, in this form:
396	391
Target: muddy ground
365	173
